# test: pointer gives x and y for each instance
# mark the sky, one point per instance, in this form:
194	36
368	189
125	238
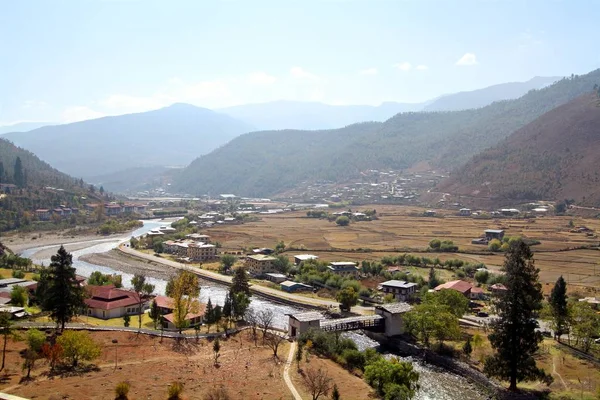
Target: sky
65	61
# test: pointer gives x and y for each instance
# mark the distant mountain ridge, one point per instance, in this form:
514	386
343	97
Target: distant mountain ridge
554	157
174	135
23	126
268	162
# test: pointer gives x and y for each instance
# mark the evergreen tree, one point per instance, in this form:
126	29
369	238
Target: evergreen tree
19	176
209	314
558	304
1	172
433	279
101	190
154	313
239	304
63	296
142	291
514	336
228	307
335	394
240	282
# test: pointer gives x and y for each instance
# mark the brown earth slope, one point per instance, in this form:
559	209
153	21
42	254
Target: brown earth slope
555	157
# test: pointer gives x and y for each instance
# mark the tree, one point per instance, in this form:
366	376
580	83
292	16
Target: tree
227	261
494	245
142	290
585	323
53	353
35	340
126	320
392	377
431	319
347	298
433	280
273	341
101	190
435	244
239	305
209	315
154	313
514	336
342	220
170	286
185	298
63	297
558	305
317	382
335	393
6	327
228	308
298	355
265	320
482	276
240	282
456	302
19	175
18	296
467	348
78	346
216	350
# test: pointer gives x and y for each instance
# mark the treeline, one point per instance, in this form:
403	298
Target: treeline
116	226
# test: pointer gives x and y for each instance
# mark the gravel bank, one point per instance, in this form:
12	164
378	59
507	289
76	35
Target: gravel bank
121	262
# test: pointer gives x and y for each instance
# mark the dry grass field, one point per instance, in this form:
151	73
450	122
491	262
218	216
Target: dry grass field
403	229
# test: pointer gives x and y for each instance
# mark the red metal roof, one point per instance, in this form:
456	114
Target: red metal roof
200	313
108	297
460	286
164	302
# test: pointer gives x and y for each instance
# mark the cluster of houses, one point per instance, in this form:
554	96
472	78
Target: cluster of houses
44	214
114	208
196	247
6	287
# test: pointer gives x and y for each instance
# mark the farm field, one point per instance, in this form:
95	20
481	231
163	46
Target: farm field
403	229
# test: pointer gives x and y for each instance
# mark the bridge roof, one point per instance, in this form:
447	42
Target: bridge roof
307	316
396	308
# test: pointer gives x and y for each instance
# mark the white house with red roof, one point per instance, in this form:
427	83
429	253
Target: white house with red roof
107	302
166	306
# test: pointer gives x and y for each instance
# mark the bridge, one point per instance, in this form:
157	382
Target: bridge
353	323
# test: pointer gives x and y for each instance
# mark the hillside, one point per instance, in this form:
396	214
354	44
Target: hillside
266	163
173	135
555	157
483	97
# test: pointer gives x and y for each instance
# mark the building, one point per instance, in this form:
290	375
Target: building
300	258
6	286
429	213
107	302
198	237
497	289
491	234
15	312
393	314
265	250
477	293
43	214
302	322
346	268
509	212
458	285
275	277
464	212
401	290
290	287
593	301
201	251
113	209
260	264
166	306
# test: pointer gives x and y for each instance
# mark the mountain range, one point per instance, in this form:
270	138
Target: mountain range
269	162
554	157
174	135
23	126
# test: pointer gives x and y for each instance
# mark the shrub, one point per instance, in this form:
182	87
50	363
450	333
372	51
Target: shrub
219	393
495	245
121	391
18	274
342	220
175	390
354	359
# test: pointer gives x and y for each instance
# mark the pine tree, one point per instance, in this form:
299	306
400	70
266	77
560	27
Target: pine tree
514	336
335	394
154	313
558	303
433	279
63	296
228	307
19	176
240	282
209	314
1	172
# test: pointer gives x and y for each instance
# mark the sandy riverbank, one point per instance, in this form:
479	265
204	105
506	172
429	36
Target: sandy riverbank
20	242
131	265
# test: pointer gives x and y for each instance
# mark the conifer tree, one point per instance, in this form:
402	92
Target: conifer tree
19	176
558	304
514	336
240	282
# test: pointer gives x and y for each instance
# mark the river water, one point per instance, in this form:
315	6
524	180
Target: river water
435	384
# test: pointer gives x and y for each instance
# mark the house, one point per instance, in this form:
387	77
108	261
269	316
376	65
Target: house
491	234
346	268
302	322
393	314
113	209
7	188
464	212
264	250
290	286
167	229
6	286
107	302
260	264
429	213
198	237
201	251
42	214
497	289
477	293
166	306
509	212
593	301
15	312
458	285
401	290
300	258
275	277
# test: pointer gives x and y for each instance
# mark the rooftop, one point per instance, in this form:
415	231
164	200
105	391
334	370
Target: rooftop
262	257
289	284
400	284
307	316
395	308
305	257
494	231
276	275
460	286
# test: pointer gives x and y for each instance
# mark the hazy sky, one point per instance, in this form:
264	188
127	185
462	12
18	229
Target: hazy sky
73	60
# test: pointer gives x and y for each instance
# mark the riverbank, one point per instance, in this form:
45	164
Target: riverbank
21	242
123	262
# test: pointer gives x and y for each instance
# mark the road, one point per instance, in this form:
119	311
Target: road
261	290
286	372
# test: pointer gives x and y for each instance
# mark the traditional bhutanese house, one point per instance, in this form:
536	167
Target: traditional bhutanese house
593	301
343	268
192	319
302	322
460	286
201	251
43	214
107	302
491	234
497	289
300	258
260	264
198	237
464	212
477	293
164	304
401	290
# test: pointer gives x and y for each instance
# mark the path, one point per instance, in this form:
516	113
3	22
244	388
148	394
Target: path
556	372
286	372
226	280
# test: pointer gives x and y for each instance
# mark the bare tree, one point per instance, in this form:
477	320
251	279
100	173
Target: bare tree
252	319
317	382
265	320
273	341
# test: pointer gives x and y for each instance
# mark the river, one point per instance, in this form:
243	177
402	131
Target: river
435	384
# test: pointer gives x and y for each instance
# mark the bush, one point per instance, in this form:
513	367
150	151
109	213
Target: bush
482	277
175	390
342	220
121	391
354	359
495	245
435	244
18	274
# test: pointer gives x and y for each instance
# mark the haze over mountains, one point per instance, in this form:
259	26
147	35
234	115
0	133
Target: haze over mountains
269	162
554	157
23	126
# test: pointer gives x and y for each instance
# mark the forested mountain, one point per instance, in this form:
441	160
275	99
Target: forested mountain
483	97
313	115
135	179
23	126
36	171
265	163
173	135
555	157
